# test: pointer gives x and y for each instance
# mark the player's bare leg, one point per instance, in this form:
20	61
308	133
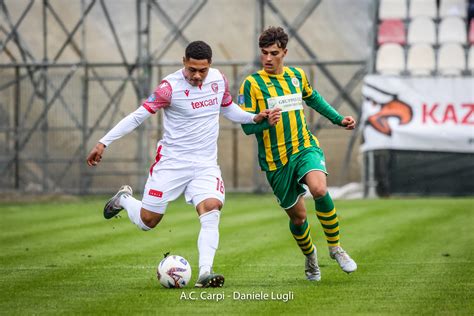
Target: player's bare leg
149	218
208	241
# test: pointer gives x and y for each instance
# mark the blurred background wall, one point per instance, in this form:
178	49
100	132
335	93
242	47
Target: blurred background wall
70	70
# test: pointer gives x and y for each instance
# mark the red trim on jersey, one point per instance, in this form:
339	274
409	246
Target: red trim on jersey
164	93
227	97
149	109
160	98
226	104
157	158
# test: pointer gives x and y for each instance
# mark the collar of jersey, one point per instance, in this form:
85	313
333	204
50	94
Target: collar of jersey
272	75
184	78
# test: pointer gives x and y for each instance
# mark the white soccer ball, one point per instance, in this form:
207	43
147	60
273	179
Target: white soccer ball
174	272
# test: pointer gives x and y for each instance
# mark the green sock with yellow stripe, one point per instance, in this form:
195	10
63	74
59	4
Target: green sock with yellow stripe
302	235
327	216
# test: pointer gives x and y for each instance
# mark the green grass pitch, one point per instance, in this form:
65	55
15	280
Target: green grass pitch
415	256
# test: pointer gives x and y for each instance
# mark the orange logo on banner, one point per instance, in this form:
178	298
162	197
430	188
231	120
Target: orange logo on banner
394	108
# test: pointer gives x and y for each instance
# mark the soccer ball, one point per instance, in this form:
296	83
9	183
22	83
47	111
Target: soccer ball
174	272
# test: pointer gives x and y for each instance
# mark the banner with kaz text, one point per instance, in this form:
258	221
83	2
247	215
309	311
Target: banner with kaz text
427	114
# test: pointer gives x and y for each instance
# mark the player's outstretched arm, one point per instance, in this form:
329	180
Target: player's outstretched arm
95	156
318	103
272	119
258	118
348	122
235	114
125	126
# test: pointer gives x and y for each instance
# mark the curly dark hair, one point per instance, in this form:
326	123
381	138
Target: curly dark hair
273	35
198	50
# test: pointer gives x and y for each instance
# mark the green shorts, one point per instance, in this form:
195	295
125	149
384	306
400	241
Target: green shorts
285	181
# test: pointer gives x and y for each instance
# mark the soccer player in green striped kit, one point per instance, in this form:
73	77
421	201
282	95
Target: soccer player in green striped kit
288	152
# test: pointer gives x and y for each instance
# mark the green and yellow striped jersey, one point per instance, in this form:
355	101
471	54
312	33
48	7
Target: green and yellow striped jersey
291	134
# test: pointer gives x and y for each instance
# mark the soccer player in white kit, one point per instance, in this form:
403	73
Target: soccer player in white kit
186	157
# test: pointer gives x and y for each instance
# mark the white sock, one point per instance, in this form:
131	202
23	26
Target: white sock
208	240
133	207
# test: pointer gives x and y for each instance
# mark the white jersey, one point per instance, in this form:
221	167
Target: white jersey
191	119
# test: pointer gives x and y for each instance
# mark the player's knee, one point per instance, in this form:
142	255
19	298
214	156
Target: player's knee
214	205
150	219
318	192
209	205
298	221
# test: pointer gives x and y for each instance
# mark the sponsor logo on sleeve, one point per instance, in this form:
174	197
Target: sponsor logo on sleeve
151	98
240	99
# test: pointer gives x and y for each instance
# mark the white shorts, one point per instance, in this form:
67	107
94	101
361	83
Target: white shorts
169	178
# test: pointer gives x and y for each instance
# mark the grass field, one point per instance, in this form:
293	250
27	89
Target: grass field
415	256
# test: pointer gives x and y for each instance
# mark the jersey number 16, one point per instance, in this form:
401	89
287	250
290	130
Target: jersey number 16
220	185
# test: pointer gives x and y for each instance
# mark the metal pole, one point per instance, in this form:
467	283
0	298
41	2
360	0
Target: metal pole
371	182
83	34
83	181
85	178
44	125
144	79
373	36
16	130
